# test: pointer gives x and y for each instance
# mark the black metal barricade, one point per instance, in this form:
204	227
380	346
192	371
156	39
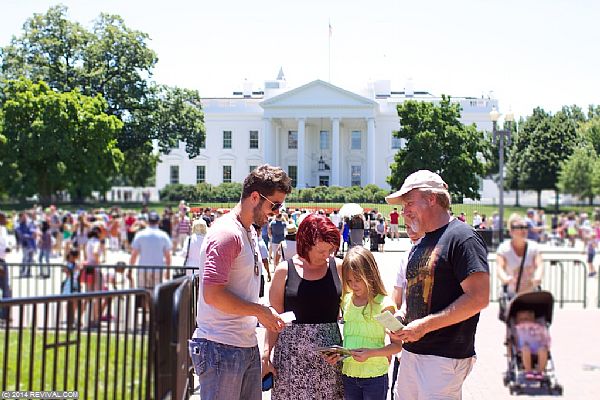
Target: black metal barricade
87	278
172	305
184	315
59	343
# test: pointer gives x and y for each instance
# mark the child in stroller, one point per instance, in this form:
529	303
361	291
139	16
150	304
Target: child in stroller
532	337
530	365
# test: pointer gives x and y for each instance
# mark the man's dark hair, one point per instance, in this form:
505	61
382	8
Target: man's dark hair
266	180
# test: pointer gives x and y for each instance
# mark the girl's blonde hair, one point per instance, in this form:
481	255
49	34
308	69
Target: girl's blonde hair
360	262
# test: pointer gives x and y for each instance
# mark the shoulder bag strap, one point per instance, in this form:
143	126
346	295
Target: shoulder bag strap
187	253
521	268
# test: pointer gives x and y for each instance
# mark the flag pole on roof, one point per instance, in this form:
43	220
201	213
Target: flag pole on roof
329	51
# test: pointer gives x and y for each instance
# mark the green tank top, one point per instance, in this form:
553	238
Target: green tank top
362	331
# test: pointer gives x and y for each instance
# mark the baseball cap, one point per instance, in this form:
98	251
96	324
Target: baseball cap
422	179
153	216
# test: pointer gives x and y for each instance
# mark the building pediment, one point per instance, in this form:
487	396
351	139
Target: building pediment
318	94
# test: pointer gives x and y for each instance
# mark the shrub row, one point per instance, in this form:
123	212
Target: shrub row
229	192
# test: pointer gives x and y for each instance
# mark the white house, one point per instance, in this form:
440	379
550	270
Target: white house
319	133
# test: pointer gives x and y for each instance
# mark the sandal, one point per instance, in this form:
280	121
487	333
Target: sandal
539	375
529	375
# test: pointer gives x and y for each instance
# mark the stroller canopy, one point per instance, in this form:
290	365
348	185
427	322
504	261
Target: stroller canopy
540	302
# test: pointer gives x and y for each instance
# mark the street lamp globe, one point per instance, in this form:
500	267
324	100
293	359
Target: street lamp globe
494	114
509	117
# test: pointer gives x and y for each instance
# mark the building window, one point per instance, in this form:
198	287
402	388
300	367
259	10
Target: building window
324	140
203	141
200	173
226	139
226	173
323	180
356	140
292	139
293	174
174	174
252	168
254	139
355	175
396	142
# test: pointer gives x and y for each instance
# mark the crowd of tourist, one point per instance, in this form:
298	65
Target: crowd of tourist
322	271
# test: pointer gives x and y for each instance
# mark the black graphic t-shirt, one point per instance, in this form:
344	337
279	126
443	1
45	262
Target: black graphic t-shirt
441	261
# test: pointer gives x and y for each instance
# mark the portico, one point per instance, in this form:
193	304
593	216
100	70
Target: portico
331	130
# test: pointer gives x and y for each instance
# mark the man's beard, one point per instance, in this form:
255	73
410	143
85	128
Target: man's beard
414	225
258	217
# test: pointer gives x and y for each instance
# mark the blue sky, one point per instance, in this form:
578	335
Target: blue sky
526	52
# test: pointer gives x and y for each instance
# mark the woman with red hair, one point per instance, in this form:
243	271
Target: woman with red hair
309	285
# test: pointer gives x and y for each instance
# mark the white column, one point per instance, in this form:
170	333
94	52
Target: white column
335	152
301	179
277	141
371	150
267	141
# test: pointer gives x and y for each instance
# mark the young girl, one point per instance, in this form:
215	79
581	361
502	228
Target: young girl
365	374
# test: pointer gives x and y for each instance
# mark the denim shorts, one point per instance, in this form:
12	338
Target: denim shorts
226	372
375	388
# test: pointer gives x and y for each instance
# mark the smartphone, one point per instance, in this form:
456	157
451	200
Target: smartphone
267	382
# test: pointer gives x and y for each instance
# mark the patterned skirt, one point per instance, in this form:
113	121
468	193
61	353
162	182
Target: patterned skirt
302	373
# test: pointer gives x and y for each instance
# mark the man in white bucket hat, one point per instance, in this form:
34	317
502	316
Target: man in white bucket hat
447	284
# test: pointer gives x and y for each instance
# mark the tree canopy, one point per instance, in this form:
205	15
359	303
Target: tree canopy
438	141
116	62
543	143
575	175
54	141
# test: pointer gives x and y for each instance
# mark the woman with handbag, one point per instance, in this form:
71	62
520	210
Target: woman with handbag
519	261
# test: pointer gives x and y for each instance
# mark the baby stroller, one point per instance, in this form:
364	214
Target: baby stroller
542	304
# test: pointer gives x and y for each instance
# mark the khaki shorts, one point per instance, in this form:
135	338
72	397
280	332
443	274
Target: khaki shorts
425	377
394	228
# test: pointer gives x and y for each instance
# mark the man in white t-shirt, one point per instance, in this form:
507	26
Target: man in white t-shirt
224	347
336	219
153	248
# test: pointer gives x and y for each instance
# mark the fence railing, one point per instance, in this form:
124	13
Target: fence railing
57	279
57	343
566	279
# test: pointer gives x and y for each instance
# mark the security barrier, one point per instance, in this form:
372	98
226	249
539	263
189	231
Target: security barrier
566	279
45	349
26	280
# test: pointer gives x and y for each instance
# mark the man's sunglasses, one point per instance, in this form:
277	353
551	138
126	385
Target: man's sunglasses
274	206
515	227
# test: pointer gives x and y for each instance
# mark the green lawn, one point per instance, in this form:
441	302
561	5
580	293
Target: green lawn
119	374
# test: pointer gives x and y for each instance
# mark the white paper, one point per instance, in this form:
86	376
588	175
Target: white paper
288	317
388	321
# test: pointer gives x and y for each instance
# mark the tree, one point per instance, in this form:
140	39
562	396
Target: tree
56	141
547	141
590	130
575	176
51	49
438	141
116	62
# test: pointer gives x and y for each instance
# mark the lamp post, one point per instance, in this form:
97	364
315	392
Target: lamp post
499	135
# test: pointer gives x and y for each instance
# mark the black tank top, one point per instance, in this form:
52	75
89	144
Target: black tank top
313	302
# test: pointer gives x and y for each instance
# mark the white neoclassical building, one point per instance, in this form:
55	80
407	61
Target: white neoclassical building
319	133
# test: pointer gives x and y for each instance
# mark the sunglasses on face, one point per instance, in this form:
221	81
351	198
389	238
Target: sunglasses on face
274	206
516	227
